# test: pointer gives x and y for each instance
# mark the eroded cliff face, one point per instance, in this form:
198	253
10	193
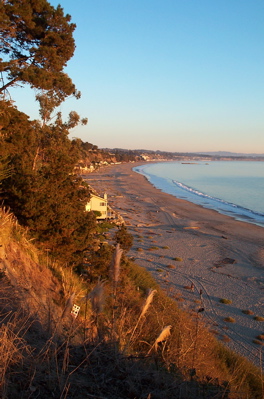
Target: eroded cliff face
28	281
35	316
27	285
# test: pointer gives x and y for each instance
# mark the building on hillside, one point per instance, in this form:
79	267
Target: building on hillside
98	204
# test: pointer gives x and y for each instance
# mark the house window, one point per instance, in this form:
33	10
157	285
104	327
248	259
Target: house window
102	204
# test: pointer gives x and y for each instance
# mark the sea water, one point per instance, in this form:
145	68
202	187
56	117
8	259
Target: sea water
234	188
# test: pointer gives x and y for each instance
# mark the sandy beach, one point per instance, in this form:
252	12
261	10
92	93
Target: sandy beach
197	255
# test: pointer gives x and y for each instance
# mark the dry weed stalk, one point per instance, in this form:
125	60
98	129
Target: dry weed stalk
13	346
114	272
115	265
10	351
68	306
47	350
96	297
147	303
165	333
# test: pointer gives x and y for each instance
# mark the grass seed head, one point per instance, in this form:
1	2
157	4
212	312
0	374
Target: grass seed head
165	333
148	301
115	264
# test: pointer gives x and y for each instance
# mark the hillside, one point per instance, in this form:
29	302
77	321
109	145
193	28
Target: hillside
78	318
126	342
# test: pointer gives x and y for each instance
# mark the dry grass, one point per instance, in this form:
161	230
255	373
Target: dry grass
11	230
14	348
97	297
7	224
118	336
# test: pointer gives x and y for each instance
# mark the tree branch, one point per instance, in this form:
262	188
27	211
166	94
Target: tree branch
3	88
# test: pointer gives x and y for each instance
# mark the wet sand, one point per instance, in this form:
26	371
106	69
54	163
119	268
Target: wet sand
198	256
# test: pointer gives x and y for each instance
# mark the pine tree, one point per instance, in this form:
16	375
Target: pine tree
36	43
43	191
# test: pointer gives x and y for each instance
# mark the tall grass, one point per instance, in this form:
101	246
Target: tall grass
129	340
146	305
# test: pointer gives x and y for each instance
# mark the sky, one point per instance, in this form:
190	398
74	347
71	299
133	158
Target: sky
170	75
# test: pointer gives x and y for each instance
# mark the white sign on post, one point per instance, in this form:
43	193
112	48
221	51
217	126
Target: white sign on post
75	311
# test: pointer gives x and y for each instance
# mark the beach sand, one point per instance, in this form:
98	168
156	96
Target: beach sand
218	256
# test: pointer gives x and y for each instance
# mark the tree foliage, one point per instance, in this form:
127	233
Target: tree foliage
36	42
100	262
124	238
43	191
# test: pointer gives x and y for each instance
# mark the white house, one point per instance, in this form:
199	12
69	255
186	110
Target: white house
99	204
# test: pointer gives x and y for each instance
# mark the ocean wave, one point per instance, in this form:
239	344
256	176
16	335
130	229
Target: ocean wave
183	191
228	205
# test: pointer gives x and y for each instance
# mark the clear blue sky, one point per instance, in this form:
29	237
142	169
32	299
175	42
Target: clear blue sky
175	75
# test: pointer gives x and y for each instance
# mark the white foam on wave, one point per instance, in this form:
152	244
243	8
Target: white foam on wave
227	206
181	190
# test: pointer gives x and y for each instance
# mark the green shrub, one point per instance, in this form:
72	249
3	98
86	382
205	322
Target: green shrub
104	226
257	342
225	301
259	318
249	312
229	319
124	238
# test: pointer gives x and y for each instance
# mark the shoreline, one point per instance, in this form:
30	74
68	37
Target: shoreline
238	212
197	255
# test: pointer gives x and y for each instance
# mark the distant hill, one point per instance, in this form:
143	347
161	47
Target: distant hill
232	154
151	155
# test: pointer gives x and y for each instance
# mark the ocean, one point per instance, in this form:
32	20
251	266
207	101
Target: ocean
234	188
